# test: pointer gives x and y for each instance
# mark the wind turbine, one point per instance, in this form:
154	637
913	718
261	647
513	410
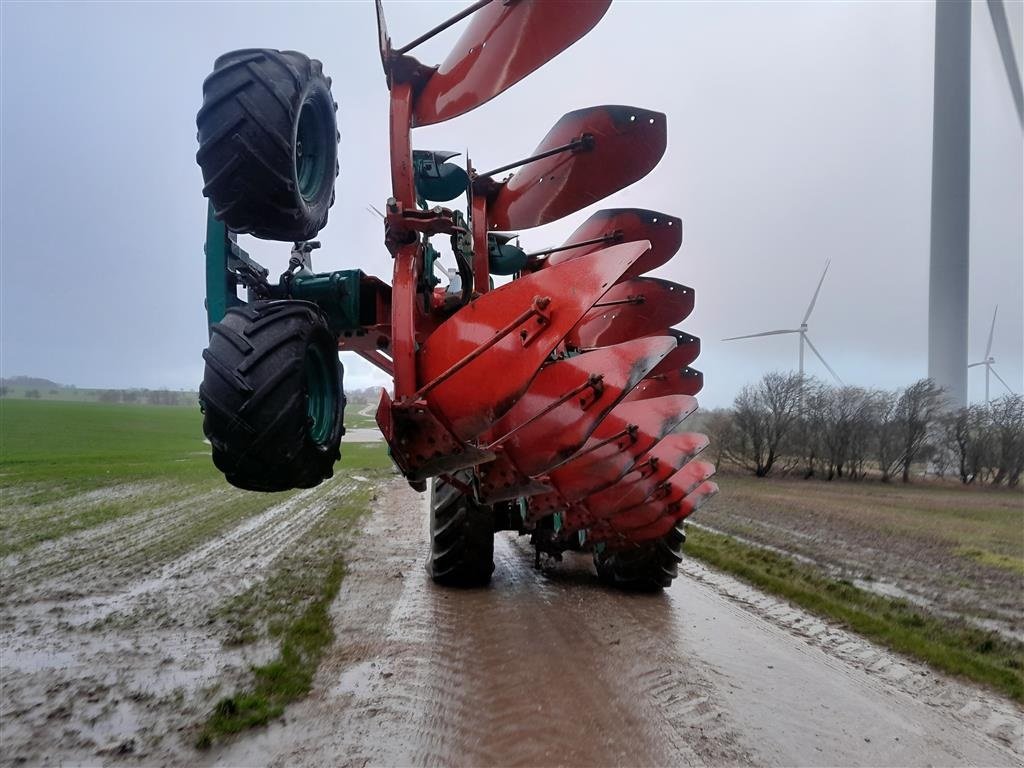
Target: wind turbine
989	362
802	330
949	270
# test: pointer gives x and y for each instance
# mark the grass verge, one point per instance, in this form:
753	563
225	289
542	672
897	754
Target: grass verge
286	678
292	607
945	644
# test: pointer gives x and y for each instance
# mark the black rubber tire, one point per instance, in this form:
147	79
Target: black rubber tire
250	148
461	536
649	567
256	392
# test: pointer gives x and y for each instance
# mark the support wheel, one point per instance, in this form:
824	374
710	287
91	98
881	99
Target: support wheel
649	567
272	396
268	143
461	536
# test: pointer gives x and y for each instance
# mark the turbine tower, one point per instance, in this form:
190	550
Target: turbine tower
802	330
951	172
990	362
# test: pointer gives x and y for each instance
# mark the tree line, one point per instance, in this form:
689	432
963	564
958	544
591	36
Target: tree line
789	424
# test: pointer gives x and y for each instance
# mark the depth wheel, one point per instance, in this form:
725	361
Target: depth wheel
268	143
461	536
648	567
272	396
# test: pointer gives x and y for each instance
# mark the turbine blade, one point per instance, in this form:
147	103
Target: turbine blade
997	11
991	331
810	307
971	365
755	335
818	354
992	368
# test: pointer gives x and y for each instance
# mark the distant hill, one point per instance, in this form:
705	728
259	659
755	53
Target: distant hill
30	382
36	388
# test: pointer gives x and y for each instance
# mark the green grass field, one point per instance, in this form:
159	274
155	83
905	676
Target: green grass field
66	467
57	452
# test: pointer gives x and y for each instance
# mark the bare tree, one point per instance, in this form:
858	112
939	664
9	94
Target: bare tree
967	437
887	433
808	439
721	432
1007	425
917	411
844	429
764	415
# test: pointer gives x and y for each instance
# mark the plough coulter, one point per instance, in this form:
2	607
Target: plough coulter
551	401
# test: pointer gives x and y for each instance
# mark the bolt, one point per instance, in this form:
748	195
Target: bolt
392	205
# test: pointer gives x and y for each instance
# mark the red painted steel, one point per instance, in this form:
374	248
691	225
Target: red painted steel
502	480
503	43
642	306
560	410
567	428
652	470
687	381
472	376
663	501
673	375
568	385
627	143
625	434
687	507
625	225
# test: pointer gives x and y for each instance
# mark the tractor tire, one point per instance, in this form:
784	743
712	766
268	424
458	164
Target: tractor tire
272	396
461	536
649	567
268	143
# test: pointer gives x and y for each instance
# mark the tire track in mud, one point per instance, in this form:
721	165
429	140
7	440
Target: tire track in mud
541	669
61	509
553	668
222	567
84	557
74	688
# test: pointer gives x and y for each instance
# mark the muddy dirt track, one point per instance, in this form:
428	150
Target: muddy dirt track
112	654
552	669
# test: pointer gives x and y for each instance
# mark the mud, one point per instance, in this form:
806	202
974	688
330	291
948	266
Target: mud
110	656
549	668
877	538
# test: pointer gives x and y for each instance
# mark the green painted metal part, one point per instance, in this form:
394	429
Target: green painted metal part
336	293
436	179
221	282
321	395
311	155
503	257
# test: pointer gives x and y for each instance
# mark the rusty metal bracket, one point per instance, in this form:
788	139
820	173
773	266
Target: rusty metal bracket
542	318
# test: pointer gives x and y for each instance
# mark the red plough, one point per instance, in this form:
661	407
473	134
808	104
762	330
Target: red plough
553	402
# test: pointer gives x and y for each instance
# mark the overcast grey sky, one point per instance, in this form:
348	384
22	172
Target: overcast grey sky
797	132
